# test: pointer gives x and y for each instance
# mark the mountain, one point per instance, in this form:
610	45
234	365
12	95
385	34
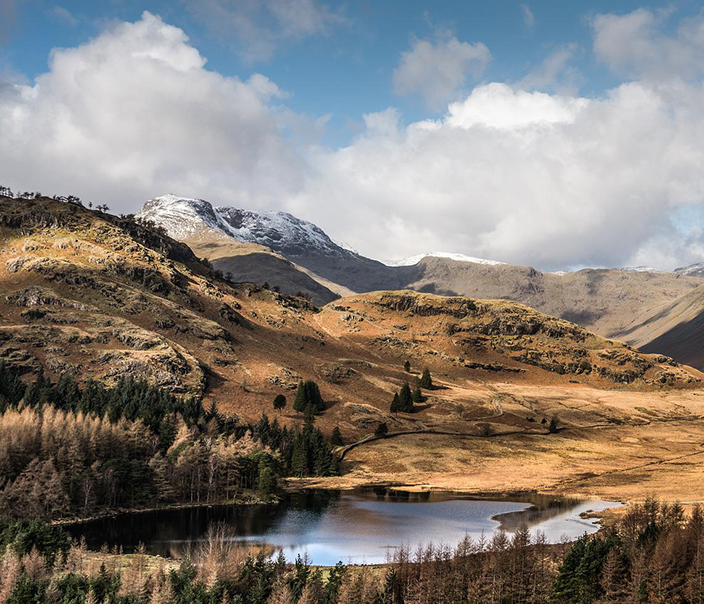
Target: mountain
103	297
297	256
336	268
606	301
676	330
693	270
413	260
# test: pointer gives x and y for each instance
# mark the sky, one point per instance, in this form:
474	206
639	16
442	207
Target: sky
552	134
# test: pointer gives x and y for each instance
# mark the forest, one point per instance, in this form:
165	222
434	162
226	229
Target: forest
654	554
67	450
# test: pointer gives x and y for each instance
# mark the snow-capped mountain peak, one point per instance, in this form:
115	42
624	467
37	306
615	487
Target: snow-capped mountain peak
280	231
413	260
181	216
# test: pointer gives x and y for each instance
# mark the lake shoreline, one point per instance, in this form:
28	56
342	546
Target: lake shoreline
252	500
357	526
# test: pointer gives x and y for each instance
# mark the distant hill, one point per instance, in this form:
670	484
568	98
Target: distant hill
676	330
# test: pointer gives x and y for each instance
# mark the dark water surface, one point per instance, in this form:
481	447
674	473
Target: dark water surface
362	526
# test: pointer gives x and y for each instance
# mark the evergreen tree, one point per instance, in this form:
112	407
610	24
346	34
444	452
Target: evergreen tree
395	404
407	366
266	481
336	438
309	415
299	457
301	401
425	380
405	399
381	430
553	425
580	571
308	395
417	395
279	402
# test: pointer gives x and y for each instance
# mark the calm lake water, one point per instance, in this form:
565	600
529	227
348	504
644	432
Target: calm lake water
361	526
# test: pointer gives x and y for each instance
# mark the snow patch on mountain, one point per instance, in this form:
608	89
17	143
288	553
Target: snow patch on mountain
181	216
280	231
640	269
693	270
413	260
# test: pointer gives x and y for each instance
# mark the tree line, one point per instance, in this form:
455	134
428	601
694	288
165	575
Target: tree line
67	450
7	192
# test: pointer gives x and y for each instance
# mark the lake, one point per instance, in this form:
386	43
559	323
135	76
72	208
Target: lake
361	526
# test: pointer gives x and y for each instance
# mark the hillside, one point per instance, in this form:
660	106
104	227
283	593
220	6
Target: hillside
86	285
101	297
602	300
676	329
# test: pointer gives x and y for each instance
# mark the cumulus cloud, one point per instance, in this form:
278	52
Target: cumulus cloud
438	71
524	177
635	45
134	113
260	26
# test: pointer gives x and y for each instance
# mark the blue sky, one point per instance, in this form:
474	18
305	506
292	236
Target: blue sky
346	70
551	134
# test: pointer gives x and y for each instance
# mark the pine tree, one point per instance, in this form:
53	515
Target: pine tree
266	481
405	399
314	396
301	401
425	380
407	366
336	438
417	395
299	457
279	402
395	404
308	395
381	430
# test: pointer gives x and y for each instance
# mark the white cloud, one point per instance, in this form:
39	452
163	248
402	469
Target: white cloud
527	178
498	106
260	26
635	45
439	71
134	113
528	16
